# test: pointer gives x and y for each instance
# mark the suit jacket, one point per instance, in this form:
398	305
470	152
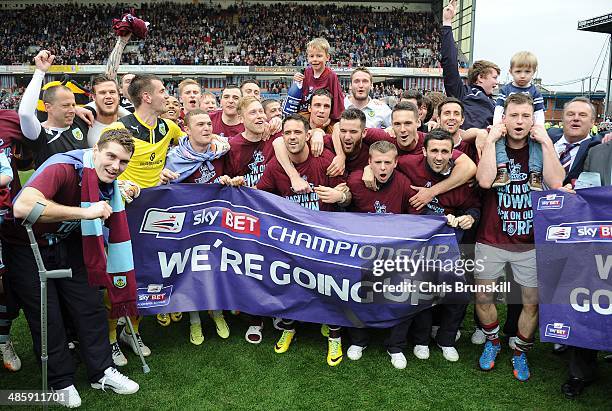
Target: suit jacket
577	166
599	160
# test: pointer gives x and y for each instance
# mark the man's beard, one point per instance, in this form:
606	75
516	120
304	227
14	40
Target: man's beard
365	97
112	112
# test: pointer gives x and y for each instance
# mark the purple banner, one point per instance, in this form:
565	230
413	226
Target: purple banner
574	256
199	247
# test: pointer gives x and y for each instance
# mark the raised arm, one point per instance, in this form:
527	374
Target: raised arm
30	126
114	60
452	80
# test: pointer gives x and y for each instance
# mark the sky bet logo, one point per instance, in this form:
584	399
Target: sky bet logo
579	232
155	295
241	223
557	330
592	231
550	202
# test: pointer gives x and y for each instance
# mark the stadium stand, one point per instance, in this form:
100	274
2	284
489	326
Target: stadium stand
197	34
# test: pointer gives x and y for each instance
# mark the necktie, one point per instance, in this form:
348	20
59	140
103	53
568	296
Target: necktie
565	156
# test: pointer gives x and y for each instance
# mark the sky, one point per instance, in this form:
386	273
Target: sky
548	28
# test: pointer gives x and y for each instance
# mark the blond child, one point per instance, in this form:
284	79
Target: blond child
318	75
523	66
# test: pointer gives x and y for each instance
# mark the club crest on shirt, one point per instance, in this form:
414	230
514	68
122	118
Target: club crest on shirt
162	128
258	158
206	174
511	227
256	169
380	208
78	134
515	172
434	204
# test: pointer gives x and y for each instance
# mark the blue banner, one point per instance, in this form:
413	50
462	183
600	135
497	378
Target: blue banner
573	235
199	247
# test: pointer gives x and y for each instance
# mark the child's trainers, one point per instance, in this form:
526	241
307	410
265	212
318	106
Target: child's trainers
502	178
535	181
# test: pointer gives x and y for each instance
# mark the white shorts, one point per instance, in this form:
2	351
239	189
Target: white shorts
494	260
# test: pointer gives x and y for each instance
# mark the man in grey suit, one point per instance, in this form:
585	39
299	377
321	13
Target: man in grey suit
599	160
583	361
573	142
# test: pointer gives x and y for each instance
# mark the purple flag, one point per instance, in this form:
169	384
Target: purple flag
200	247
573	235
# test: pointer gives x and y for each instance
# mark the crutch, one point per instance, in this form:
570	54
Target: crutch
145	367
43	274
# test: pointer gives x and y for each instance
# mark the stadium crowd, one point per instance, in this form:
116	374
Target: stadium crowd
10	97
204	35
325	151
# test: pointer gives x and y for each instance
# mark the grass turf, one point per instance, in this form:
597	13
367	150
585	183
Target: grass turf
232	374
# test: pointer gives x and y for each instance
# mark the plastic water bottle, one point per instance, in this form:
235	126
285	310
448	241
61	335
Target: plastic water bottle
294	96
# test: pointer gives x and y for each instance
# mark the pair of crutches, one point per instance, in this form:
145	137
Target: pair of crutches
44	275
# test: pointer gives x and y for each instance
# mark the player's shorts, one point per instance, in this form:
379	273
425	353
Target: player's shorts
493	261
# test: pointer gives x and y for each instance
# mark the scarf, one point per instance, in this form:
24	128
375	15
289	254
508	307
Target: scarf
184	160
114	271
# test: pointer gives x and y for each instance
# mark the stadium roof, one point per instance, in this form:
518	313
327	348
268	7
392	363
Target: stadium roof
601	24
